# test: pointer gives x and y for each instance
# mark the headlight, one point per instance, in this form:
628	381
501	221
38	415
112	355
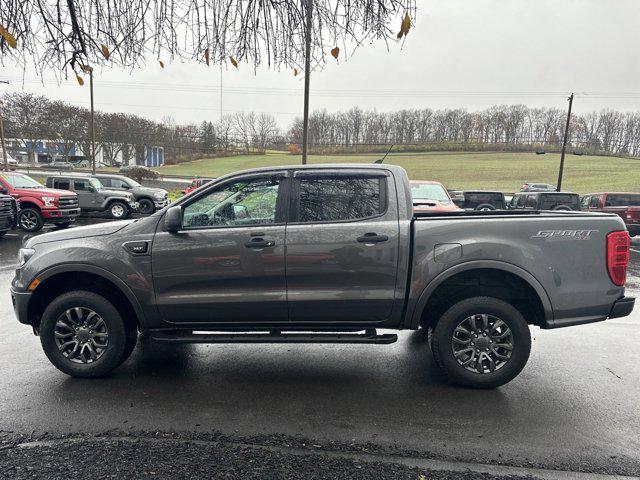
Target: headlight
159	195
24	254
49	201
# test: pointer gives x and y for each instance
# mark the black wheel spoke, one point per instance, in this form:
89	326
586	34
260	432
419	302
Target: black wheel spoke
482	343
81	335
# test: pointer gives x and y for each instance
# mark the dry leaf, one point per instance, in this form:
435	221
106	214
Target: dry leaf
335	52
404	26
10	39
86	68
295	72
234	62
105	51
161	63
206	56
80	80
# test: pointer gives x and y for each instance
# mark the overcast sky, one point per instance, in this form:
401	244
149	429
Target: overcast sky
460	53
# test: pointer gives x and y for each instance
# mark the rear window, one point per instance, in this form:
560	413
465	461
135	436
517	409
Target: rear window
547	202
623	200
329	199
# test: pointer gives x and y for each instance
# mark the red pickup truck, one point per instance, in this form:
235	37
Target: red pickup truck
39	204
625	204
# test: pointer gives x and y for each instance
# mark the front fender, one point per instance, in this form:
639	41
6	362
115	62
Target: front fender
414	312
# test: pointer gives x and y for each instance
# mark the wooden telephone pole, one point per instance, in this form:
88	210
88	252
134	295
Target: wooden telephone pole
5	157
564	145
307	75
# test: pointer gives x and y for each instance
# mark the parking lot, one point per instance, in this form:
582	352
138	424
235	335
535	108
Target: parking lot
575	407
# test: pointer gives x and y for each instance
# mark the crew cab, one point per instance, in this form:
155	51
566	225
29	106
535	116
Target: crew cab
431	196
624	204
39	205
482	200
321	254
8	213
93	197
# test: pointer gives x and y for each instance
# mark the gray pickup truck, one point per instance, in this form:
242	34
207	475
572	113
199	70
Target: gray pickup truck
321	254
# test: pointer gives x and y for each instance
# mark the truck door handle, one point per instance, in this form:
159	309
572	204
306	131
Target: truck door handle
257	242
372	238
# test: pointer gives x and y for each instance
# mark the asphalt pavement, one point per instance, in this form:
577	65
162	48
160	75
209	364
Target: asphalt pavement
574	408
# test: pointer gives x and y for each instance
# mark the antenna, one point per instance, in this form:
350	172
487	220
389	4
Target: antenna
380	160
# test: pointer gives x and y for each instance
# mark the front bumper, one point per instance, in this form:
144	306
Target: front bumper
622	307
133	206
160	204
58	215
20	301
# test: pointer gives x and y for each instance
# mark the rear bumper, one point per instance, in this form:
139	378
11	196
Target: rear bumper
20	301
622	307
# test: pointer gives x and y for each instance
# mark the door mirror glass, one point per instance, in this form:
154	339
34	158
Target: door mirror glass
173	219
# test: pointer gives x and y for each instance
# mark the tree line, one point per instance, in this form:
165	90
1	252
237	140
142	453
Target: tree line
30	119
497	127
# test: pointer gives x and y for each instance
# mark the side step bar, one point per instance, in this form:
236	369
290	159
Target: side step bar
274	336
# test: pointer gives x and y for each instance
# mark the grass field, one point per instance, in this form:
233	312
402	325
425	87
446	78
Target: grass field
502	171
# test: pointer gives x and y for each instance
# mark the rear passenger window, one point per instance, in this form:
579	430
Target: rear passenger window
61	183
328	199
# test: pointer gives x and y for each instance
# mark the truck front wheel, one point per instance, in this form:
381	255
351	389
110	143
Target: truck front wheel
481	342
118	210
30	219
84	335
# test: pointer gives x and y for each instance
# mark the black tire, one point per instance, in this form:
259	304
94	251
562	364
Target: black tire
485	206
146	206
130	344
564	208
30	219
113	354
443	342
118	210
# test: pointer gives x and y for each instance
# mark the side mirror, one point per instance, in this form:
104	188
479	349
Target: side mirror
173	219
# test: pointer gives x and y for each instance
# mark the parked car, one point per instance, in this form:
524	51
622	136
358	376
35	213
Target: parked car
149	199
93	197
39	205
195	184
431	196
8	213
60	165
217	267
457	197
537	187
624	204
545	201
483	200
12	162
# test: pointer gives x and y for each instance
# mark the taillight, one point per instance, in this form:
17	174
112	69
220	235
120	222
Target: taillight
618	256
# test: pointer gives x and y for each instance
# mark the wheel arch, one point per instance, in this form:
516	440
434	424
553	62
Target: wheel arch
63	278
482	266
30	203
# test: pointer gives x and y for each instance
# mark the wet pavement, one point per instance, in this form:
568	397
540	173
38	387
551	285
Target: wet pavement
574	407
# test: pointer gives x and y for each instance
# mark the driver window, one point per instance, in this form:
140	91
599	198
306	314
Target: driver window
245	202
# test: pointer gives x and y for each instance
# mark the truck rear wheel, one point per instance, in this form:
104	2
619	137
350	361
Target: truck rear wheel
30	219
481	342
83	334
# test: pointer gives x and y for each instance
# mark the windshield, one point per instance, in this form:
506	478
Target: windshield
21	181
429	191
131	182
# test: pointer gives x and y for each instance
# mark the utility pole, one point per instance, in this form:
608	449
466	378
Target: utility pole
91	126
4	147
564	144
307	75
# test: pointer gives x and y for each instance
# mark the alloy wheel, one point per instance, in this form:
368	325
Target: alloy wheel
117	210
28	220
81	335
482	343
